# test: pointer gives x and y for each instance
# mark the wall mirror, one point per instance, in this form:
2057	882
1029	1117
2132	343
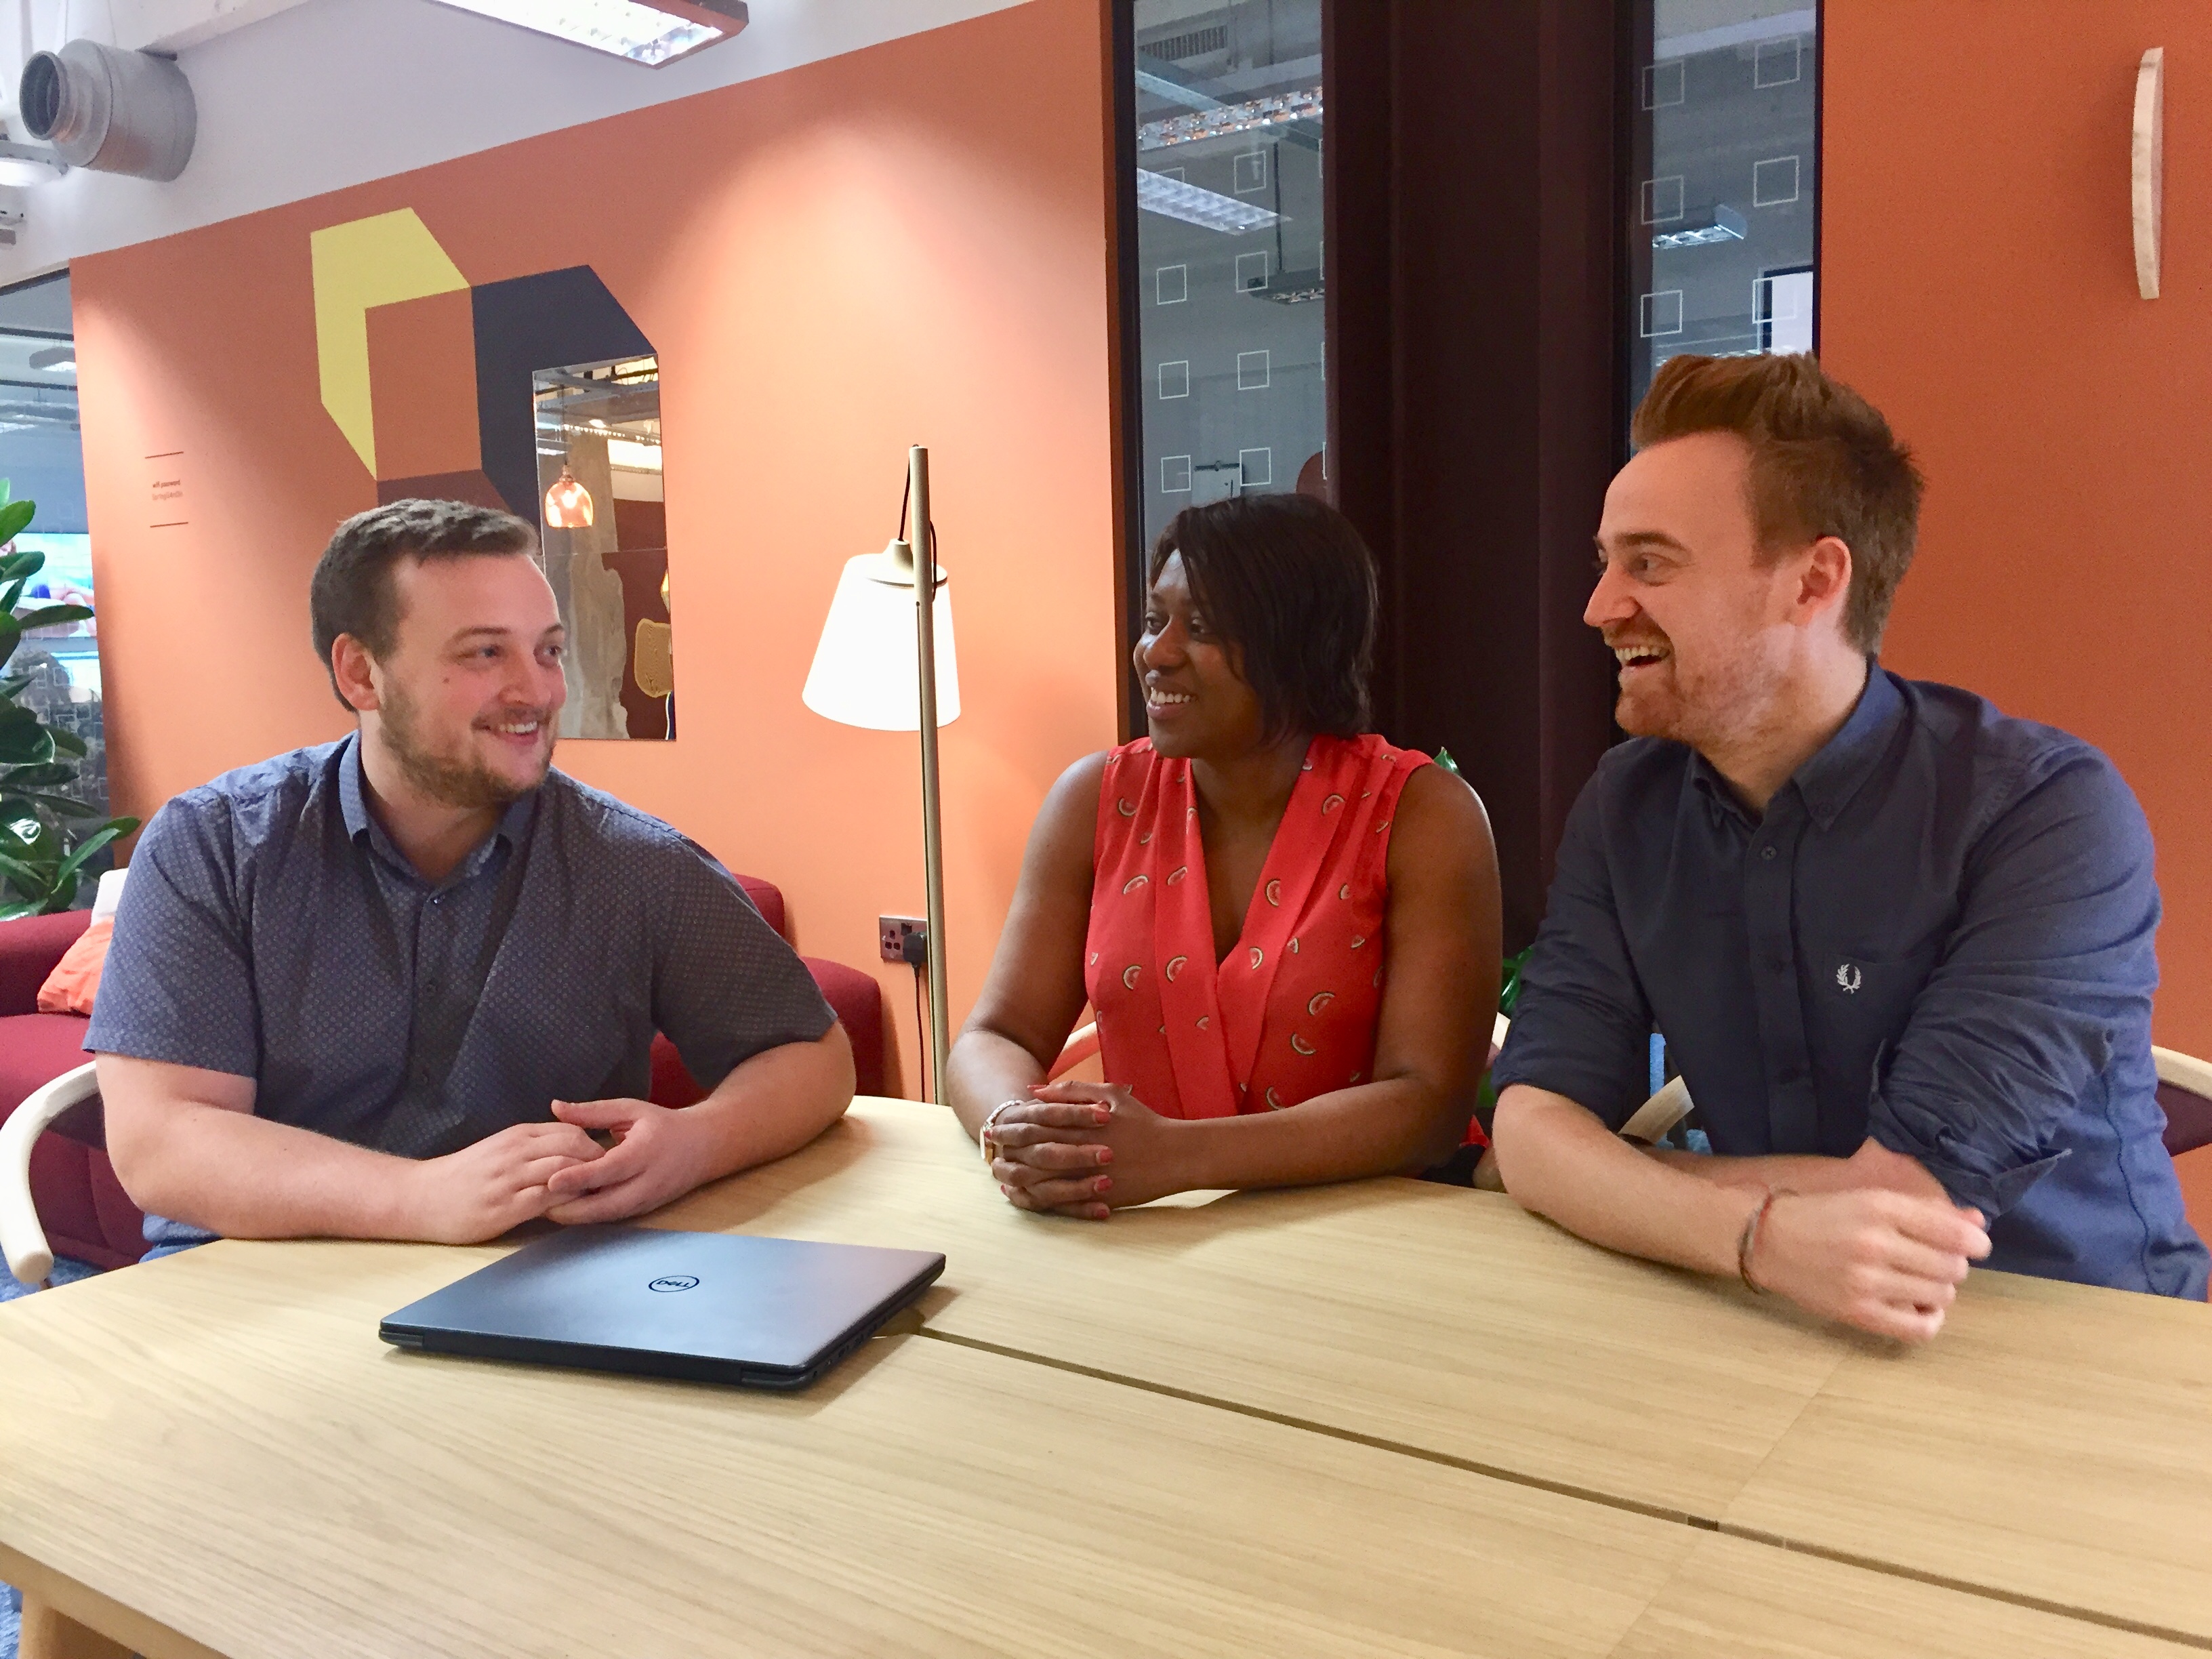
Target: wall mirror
604	519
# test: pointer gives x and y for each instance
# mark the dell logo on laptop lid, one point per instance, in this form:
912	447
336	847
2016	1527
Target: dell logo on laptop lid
675	1282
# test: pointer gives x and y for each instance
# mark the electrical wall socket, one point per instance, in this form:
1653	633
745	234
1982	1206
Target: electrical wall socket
892	933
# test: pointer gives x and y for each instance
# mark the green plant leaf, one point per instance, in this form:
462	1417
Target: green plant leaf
91	844
11	635
37	777
17	912
1444	759
1509	989
61	806
26	743
28	880
17	567
65	742
14	595
52	616
13	684
15	518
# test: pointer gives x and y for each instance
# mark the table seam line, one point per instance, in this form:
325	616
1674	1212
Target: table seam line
1559	1488
1988	1593
1583	1494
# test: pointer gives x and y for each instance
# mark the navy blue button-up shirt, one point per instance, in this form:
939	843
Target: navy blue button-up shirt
270	930
1938	934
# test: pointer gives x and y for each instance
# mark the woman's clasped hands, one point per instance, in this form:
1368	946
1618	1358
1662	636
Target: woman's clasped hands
1085	1149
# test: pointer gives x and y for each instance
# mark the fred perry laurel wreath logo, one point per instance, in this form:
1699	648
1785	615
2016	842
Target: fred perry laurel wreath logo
1850	977
675	1282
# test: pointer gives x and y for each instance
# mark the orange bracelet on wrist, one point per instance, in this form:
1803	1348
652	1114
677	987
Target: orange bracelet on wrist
1749	1241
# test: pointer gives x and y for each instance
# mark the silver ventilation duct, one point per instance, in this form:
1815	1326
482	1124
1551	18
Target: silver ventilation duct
110	110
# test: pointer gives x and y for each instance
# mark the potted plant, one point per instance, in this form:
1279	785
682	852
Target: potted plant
44	839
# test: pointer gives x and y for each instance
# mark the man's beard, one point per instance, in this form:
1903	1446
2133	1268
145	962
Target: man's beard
466	783
1702	708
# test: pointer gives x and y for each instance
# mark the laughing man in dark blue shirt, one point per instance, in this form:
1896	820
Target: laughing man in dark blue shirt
388	987
1899	944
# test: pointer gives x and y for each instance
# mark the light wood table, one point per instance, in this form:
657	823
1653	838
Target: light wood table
2055	1443
214	1456
1749	1601
1420	1316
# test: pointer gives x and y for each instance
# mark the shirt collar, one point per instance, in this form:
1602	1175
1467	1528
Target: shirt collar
1826	782
513	825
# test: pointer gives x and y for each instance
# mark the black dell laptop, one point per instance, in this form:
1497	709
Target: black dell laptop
764	1313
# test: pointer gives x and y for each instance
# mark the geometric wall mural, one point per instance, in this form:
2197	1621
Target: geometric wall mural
496	393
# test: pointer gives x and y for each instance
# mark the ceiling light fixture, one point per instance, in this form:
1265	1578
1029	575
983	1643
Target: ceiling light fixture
648	32
1209	209
568	504
1223	121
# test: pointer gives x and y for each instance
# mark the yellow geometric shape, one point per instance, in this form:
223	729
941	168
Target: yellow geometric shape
378	261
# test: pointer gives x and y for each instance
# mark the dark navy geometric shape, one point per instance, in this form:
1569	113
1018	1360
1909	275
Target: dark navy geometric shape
550	320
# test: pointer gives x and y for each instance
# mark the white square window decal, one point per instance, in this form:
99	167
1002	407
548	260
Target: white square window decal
1251	371
1777	62
1175	378
1175	474
1251	172
1663	85
1172	285
1252	272
1662	200
1257	466
1774	182
1662	313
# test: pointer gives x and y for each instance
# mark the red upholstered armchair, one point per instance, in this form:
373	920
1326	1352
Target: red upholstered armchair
83	1206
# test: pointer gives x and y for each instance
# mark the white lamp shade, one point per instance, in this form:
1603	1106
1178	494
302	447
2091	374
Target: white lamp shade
866	670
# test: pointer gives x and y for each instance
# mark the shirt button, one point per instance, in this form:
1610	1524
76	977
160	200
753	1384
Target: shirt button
1766	852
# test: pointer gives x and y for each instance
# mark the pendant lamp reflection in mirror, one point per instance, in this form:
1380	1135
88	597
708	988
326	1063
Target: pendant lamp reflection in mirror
568	504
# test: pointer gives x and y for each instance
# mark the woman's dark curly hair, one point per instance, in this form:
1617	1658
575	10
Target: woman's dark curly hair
1288	583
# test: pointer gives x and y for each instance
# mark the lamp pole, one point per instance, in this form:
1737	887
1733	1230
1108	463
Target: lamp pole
932	837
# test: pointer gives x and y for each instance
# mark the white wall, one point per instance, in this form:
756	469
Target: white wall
331	93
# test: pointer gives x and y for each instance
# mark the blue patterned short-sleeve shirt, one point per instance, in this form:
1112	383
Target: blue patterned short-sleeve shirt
270	930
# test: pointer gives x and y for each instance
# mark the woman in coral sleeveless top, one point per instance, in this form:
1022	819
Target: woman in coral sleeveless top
1288	929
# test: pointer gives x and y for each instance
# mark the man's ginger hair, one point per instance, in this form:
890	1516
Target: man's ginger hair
1823	463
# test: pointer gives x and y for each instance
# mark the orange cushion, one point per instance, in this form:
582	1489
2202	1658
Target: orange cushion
75	982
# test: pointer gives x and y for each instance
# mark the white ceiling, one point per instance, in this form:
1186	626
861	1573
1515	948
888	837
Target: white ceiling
300	97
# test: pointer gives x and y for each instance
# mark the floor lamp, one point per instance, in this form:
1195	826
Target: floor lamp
890	620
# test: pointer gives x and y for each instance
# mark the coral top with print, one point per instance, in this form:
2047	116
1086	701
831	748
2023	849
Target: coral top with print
1291	1011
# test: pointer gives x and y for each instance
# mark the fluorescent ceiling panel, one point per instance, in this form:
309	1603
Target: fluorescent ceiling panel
1208	209
648	32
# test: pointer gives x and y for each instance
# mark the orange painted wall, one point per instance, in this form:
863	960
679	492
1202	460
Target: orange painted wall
906	244
1979	284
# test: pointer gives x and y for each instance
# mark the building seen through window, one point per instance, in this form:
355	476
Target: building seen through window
1232	339
1723	208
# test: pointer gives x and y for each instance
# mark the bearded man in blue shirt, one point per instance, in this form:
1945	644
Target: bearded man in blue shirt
392	987
1899	944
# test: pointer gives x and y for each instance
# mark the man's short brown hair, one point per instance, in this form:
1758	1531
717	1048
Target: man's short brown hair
352	592
1823	463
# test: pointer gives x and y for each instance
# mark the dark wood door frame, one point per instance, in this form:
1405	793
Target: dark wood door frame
1474	374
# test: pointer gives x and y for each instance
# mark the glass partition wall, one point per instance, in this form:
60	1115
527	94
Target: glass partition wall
1721	184
42	460
1229	347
